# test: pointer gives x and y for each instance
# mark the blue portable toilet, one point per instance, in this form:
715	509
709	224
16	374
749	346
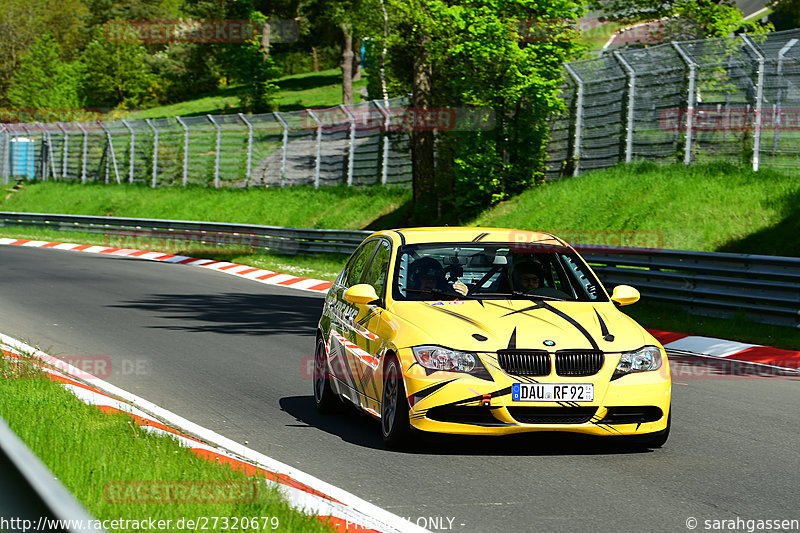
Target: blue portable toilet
22	157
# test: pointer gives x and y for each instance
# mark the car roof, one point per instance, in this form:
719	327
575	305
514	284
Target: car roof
473	234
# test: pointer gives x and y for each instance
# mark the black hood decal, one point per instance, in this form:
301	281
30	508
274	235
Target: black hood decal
512	342
607	336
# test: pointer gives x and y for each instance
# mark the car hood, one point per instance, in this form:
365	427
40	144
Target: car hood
491	325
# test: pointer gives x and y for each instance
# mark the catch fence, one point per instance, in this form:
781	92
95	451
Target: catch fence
735	99
353	145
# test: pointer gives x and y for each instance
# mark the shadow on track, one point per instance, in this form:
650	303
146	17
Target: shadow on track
359	429
233	313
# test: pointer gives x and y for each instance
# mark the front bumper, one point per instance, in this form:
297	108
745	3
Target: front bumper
634	404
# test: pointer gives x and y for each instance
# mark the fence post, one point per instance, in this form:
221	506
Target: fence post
185	150
319	146
759	101
788	46
113	155
4	153
155	151
65	150
631	96
216	150
576	150
84	151
249	170
284	144
352	149
387	118
131	150
687	156
31	168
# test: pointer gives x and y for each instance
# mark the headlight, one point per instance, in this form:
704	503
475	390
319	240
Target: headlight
642	360
439	358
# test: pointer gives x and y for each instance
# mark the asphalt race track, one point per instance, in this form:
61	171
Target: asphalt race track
231	354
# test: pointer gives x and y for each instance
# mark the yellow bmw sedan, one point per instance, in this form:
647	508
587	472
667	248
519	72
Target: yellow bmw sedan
487	331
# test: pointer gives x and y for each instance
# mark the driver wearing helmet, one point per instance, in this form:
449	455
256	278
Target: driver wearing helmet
529	278
427	274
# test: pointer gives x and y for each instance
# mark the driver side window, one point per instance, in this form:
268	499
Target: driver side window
355	270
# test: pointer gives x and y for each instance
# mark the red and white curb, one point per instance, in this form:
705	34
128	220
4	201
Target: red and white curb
755	354
342	510
256	274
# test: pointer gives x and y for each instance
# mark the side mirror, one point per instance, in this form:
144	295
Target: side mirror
360	294
625	295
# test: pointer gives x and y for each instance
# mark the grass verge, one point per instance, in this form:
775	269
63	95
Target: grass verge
98	456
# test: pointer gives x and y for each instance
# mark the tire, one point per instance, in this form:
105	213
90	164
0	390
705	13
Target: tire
324	396
394	406
657	439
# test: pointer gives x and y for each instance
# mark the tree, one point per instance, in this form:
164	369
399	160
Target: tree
471	57
116	72
351	20
44	82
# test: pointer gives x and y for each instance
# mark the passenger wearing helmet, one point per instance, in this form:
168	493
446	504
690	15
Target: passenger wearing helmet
427	274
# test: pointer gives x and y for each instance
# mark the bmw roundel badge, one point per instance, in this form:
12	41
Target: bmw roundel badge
549	343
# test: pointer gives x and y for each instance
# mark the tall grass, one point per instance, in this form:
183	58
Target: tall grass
339	207
711	207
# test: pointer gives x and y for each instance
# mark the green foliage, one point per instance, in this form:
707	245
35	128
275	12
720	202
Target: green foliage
44	82
681	19
700	20
22	22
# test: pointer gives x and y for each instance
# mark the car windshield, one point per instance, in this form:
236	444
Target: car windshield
493	271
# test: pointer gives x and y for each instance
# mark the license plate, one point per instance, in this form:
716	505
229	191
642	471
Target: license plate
552	392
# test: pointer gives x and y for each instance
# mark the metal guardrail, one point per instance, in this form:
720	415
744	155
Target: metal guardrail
30	496
764	289
284	240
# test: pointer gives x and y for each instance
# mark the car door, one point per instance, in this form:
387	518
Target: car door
368	327
343	350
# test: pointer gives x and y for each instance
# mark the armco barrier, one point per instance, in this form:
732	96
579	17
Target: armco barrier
765	289
31	498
